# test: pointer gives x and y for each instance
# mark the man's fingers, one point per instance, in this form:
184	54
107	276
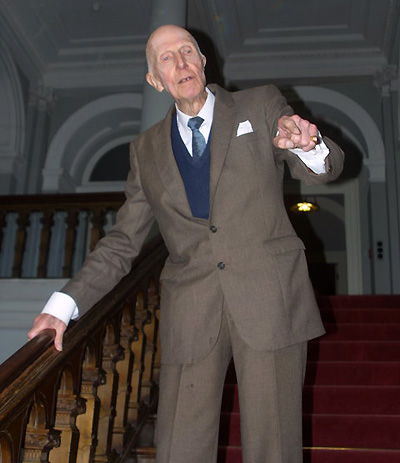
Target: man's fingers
295	132
47	321
58	340
287	123
284	143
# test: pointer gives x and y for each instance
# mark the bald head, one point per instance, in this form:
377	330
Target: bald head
161	32
176	65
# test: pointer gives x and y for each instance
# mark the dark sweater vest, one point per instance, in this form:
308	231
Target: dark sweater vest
195	173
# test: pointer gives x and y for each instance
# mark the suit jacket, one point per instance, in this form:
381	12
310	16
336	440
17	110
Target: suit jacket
247	252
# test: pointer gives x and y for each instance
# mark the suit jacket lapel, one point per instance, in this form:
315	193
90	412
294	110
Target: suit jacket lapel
223	125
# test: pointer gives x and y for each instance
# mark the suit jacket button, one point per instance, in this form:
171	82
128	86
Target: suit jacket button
213	229
221	265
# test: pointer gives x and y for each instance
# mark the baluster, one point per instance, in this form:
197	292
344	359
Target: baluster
124	368
5	449
2	225
148	386
107	393
138	348
70	236
44	245
97	231
154	303
68	407
22	221
87	422
39	440
149	328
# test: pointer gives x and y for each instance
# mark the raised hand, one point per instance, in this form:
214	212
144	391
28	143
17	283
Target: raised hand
295	132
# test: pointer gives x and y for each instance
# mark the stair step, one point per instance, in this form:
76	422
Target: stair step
324	455
369	315
366	351
353	302
355	431
349	400
332	372
353	373
338	455
362	332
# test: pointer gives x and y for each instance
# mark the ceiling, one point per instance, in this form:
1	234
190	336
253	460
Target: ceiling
78	43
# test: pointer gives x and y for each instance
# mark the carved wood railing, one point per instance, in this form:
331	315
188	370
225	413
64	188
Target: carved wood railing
88	402
45	236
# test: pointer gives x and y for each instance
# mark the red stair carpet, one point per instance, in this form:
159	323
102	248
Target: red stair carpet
352	388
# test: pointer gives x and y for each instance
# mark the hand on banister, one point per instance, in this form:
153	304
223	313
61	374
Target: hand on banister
47	321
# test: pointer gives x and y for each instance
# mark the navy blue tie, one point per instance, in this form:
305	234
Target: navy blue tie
198	141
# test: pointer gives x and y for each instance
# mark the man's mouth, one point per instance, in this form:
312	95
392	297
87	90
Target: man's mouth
185	79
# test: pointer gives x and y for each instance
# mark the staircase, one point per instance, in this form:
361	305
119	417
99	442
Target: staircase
352	387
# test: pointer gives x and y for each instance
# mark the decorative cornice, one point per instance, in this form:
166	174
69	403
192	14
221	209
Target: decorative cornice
109	74
386	79
334	54
302	65
42	97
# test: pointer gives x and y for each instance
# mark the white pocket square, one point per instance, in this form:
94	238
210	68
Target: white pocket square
243	128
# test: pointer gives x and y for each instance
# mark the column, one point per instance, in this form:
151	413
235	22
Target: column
41	101
155	104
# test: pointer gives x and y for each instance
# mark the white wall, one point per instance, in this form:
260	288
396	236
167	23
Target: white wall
20	302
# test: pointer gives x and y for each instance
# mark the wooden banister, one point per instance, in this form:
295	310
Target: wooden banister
64	209
88	402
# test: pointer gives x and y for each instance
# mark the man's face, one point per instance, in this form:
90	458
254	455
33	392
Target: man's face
177	65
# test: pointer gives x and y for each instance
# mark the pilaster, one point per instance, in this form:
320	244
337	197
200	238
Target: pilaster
387	250
41	101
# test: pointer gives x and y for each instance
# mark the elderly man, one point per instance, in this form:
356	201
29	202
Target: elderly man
236	281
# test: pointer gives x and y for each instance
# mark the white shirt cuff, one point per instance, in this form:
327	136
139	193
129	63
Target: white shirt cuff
314	159
62	306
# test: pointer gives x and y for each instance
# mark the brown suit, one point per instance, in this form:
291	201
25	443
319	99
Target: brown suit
264	280
241	274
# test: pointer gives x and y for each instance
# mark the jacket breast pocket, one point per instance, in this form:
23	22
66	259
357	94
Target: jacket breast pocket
246	138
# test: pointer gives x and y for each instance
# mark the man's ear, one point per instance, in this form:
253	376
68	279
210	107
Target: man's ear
154	82
204	59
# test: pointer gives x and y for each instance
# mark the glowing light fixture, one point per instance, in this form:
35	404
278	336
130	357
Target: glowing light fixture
304	206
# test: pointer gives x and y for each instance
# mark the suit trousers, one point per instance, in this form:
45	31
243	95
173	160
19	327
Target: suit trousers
270	397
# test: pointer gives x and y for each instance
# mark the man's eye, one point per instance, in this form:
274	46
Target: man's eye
165	58
187	51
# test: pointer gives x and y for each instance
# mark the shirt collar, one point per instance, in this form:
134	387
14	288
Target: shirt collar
206	112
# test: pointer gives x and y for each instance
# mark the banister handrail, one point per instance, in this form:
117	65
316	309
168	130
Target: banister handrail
11	368
60	199
96	379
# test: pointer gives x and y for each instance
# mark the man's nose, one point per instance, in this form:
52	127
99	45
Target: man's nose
181	62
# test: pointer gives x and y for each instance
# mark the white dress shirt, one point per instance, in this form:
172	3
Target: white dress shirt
62	305
206	112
